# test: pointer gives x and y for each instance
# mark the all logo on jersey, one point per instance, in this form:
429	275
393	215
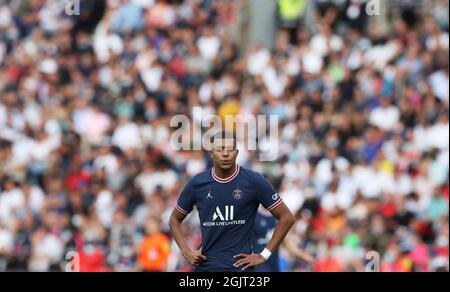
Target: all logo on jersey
223	216
237	194
229	214
275	196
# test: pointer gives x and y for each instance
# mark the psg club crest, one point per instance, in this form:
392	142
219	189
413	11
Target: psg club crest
237	194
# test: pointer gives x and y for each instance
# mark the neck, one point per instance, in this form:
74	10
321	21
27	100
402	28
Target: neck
224	173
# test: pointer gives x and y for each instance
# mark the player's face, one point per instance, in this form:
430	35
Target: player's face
224	153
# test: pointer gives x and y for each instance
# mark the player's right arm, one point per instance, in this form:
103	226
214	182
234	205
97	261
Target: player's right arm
184	206
195	257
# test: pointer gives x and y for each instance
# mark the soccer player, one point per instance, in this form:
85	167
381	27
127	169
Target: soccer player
227	197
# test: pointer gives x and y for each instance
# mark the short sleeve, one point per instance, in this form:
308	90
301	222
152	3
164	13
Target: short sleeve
186	200
266	194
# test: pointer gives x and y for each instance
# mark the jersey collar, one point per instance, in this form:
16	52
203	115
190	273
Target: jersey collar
225	180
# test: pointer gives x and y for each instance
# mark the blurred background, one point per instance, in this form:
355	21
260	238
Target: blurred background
86	100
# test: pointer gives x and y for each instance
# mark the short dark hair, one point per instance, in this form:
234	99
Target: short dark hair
223	135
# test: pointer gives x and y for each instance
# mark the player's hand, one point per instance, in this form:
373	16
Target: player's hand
248	260
195	257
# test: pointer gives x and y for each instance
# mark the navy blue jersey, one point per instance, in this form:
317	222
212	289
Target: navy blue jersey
263	229
227	210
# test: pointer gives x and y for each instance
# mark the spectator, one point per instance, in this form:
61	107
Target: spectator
154	250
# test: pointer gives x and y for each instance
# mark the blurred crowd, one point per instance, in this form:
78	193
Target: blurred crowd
86	162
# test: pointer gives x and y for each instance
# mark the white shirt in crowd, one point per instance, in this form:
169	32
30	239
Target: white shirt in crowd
152	77
296	170
9	202
379	56
312	62
105	207
322	45
439	135
336	200
385	118
5	16
3	112
127	136
439	82
107	161
293	197
97	124
149	181
106	43
6	241
436	136
442	41
46	252
324	172
365	182
258	61
275	81
49	16
15	200
195	166
208	46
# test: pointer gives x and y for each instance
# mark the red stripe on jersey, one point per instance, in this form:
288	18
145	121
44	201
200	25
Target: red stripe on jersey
181	210
275	205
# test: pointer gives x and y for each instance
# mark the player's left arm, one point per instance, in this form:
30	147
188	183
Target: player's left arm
285	222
